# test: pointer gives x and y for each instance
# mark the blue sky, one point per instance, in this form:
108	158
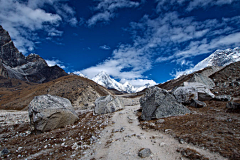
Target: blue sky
136	40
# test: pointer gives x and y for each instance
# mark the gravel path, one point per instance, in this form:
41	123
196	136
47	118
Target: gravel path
124	138
11	117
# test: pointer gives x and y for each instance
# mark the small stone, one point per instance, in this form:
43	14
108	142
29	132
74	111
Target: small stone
4	152
181	141
99	122
162	144
144	152
160	121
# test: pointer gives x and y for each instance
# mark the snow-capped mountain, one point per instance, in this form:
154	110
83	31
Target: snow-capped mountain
105	80
218	58
128	87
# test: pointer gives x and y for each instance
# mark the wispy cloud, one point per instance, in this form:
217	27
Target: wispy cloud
55	62
24	19
105	47
171	37
106	10
166	5
207	3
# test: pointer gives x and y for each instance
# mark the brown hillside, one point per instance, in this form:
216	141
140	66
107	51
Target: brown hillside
82	92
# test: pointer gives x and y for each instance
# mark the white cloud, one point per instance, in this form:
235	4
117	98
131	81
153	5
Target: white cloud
23	19
105	10
166	5
54	33
55	62
105	47
207	3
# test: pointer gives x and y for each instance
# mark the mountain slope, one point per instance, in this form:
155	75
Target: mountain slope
33	68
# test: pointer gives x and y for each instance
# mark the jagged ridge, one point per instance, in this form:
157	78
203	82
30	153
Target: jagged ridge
33	68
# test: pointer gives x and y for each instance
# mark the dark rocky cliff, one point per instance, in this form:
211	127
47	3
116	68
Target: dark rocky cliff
33	68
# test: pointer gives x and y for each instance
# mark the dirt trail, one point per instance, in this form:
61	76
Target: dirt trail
124	138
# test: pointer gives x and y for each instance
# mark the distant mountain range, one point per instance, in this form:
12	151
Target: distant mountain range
105	80
218	58
33	68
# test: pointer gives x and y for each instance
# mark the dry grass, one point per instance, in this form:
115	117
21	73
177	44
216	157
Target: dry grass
64	143
209	128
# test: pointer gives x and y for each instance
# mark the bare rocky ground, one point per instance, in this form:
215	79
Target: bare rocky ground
69	142
113	136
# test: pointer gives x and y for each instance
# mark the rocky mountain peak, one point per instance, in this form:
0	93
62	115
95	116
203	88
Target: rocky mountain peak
224	57
36	58
9	54
31	68
4	36
217	59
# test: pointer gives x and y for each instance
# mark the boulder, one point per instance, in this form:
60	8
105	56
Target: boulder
233	105
198	77
223	98
197	104
159	103
108	104
144	152
192	90
47	112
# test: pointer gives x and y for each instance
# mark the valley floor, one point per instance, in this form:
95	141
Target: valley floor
108	137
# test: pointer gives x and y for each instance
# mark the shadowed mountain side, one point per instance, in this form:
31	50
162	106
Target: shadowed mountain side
82	92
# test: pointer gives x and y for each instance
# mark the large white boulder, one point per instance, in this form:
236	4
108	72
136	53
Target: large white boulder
108	104
198	77
193	90
47	112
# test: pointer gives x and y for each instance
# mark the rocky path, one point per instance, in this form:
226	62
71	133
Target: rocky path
123	138
8	117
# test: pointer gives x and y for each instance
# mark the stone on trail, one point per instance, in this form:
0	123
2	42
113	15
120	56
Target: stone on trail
159	103
144	152
108	104
47	112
